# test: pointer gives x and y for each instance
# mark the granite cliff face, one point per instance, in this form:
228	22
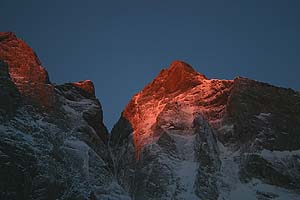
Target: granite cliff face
183	136
177	91
53	141
200	138
26	70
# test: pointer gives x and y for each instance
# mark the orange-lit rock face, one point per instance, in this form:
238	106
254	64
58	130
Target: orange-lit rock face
87	86
26	70
178	91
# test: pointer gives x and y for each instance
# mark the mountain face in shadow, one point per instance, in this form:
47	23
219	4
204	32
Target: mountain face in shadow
53	141
184	136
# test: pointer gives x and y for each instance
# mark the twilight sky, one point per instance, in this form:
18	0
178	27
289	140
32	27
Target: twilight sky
122	45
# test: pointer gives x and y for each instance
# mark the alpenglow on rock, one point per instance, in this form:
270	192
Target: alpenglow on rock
53	141
183	137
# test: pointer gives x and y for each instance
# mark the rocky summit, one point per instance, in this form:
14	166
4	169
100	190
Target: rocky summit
183	137
53	141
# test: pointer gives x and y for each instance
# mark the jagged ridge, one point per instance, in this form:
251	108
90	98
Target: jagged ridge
184	136
53	141
200	138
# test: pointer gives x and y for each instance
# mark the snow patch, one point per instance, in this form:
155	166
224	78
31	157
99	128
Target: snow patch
226	128
271	155
186	168
263	116
80	151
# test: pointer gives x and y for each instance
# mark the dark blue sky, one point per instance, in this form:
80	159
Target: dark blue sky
122	45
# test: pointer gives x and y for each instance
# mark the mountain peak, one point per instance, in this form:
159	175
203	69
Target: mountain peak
178	64
179	77
171	84
26	70
181	66
7	35
87	86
